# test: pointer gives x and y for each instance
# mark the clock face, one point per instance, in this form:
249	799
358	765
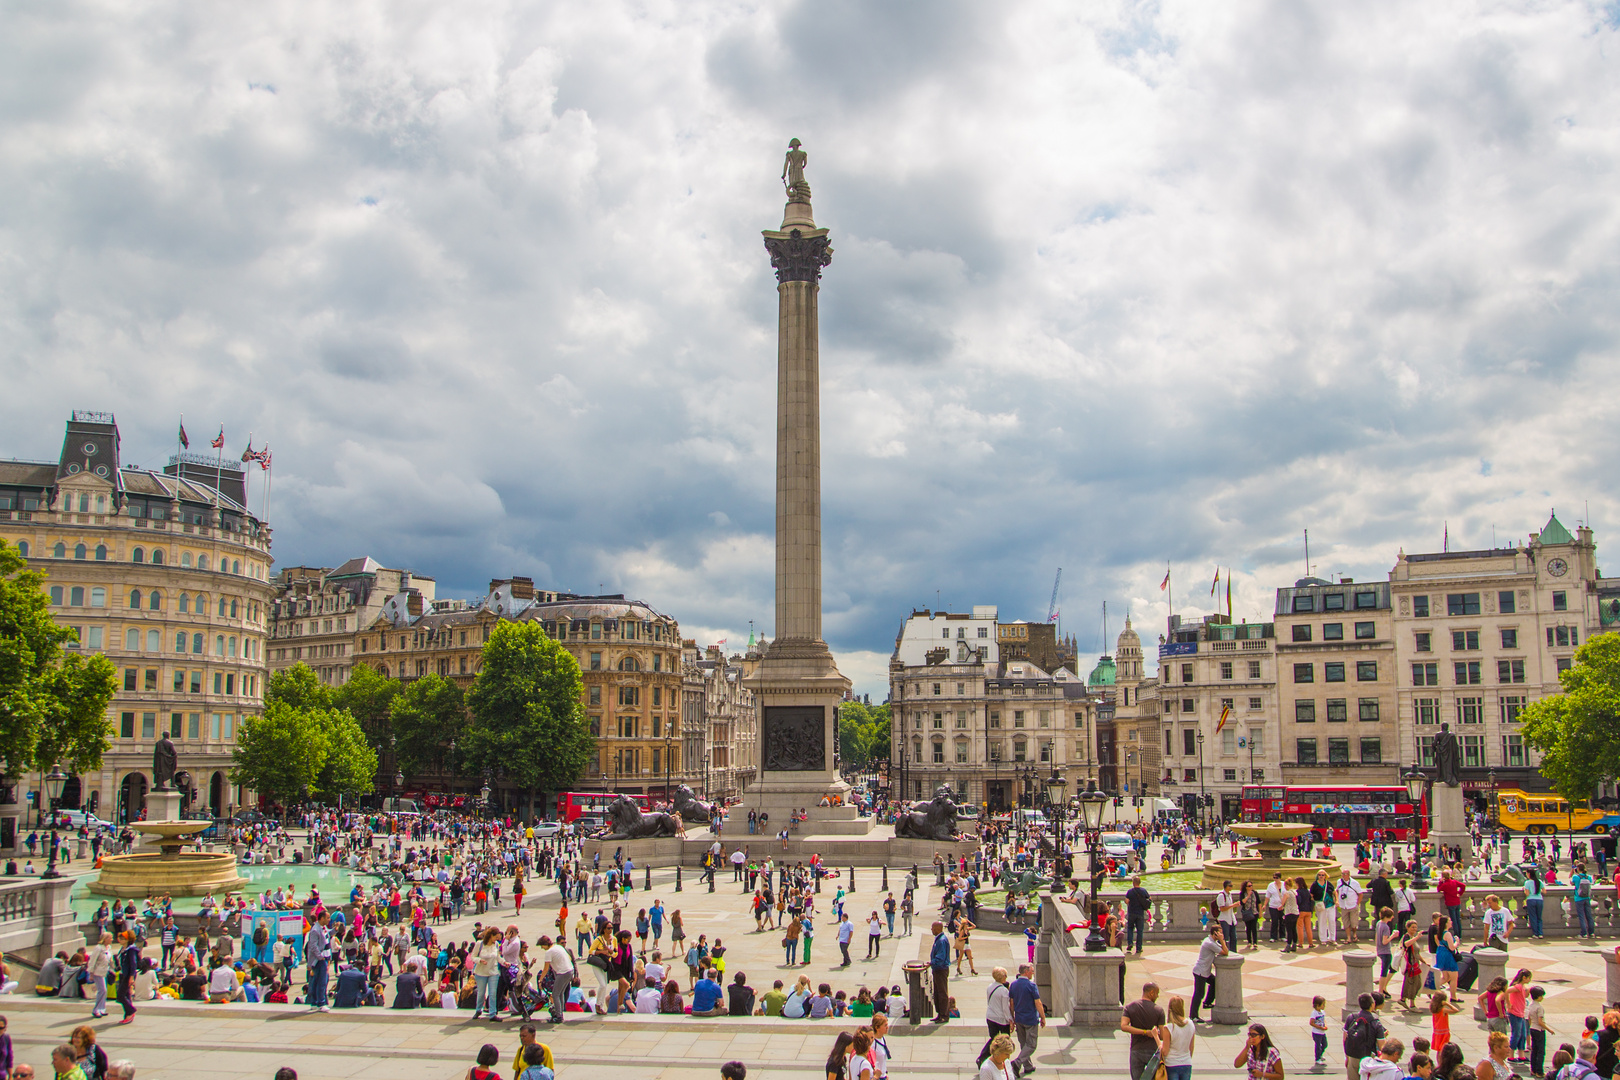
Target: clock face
1557	567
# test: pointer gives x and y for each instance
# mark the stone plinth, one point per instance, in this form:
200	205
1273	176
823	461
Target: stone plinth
1611	972
1448	824
1358	980
1229	991
1492	964
1096	987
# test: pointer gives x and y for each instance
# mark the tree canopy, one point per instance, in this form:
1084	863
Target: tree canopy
369	697
288	750
53	703
527	720
425	718
863	733
1578	732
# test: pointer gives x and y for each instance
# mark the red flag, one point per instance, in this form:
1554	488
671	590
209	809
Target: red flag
264	458
185	443
218	441
250	454
1165	584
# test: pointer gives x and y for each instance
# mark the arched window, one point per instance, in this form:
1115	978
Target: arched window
154	641
185	558
180	641
84	502
60	550
222	607
196	644
233	609
385	671
231	648
101	552
202	562
56	595
139	555
80	551
236	566
76	596
22	548
219	644
157	556
101	504
201	604
135	598
155	601
629	664
185	604
132	639
98	597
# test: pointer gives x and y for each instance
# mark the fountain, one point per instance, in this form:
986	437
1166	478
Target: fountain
1273	839
173	870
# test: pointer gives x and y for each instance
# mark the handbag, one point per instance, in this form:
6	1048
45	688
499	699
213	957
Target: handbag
597	960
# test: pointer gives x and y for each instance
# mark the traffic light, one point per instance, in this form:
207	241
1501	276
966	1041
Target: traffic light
1209	800
1136	800
1119	801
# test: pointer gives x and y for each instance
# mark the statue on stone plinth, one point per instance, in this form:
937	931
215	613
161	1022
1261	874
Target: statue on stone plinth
627	822
163	763
798	188
937	822
1448	757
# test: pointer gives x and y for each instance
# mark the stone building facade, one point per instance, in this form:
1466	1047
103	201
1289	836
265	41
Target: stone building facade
167	574
318	610
730	726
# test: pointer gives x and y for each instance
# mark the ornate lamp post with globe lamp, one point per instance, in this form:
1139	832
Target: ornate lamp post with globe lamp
1057	804
1417	783
55	781
1092	802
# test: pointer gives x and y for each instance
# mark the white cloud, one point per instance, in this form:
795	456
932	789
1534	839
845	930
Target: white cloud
1114	285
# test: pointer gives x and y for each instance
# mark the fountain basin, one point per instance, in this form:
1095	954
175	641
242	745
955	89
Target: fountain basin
1266	857
178	873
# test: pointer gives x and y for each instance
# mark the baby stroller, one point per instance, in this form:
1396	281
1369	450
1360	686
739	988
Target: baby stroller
524	997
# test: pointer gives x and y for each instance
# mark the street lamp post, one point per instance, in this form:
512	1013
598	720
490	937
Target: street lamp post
1091	812
55	781
1416	784
1056	790
1203	795
669	745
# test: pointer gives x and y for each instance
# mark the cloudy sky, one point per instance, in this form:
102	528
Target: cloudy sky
1117	285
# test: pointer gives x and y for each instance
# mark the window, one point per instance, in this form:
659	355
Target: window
1338	710
154	602
129	679
1560	598
1187	705
1305	751
1367	708
1563	636
98	597
1372	752
1020	750
939	720
1304	603
1302	632
157	556
995	719
1338	751
1473	748
1462	603
154	640
101	552
961	751
1470	710
629	695
196	684
1513	750
1333	631
1505	603
196	644
1226	669
1189	776
148	725
1420	607
1257	740
1228	741
80	552
1333	672
76	596
1254	669
595	693
132	640
1167	738
596	661
1425	674
629	664
1254	703
984	632
1228	774
56	598
1366	601
1422	642
1333	602
1189	742
596	631
1467	674
1366	671
126	726
1366	631
1563	664
1510	671
1465	640
60	550
1304	673
22	548
1512	707
1186	673
1305	712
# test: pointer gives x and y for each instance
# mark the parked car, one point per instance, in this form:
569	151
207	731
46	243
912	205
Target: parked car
1116	845
248	817
73	819
544	829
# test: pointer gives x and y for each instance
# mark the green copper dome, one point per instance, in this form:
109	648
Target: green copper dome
1103	673
1555	533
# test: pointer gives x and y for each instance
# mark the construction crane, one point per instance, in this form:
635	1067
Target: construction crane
1052	608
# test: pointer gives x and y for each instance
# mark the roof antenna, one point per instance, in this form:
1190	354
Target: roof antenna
1307	553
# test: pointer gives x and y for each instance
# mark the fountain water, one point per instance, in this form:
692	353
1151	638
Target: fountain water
1269	855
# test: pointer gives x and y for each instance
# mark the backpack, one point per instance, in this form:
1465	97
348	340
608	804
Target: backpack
1583	888
1360	1036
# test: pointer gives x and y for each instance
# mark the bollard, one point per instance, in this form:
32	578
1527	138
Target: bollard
648	879
677	878
711	879
918	994
1228	1007
852	879
885	886
1492	963
939	873
1358	980
1611	967
818	884
915	877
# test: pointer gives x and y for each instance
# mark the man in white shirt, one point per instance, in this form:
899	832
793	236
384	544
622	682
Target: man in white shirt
222	984
1349	892
1274	905
738	858
655	967
561	966
647	999
1226	905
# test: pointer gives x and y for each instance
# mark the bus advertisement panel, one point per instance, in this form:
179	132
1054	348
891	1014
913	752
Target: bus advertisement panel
571	805
1337	812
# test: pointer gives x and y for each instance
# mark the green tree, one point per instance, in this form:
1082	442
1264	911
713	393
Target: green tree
53	706
350	766
425	718
1578	731
279	753
369	698
863	733
528	722
299	687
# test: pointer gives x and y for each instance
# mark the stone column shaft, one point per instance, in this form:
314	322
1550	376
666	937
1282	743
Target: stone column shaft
798	464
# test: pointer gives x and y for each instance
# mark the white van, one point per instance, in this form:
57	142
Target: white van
401	806
1029	819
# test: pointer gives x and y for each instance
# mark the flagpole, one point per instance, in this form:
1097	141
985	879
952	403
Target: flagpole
178	448
219	463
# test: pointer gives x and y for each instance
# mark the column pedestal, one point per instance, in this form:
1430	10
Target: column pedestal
1358	980
1229	991
1448	824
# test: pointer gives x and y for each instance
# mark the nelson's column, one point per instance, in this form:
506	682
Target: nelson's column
797	685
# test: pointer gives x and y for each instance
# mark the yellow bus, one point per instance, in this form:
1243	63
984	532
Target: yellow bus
1545	812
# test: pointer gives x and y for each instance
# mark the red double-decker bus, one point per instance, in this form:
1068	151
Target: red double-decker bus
571	805
1344	812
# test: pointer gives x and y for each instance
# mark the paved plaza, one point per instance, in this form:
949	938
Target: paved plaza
192	1041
